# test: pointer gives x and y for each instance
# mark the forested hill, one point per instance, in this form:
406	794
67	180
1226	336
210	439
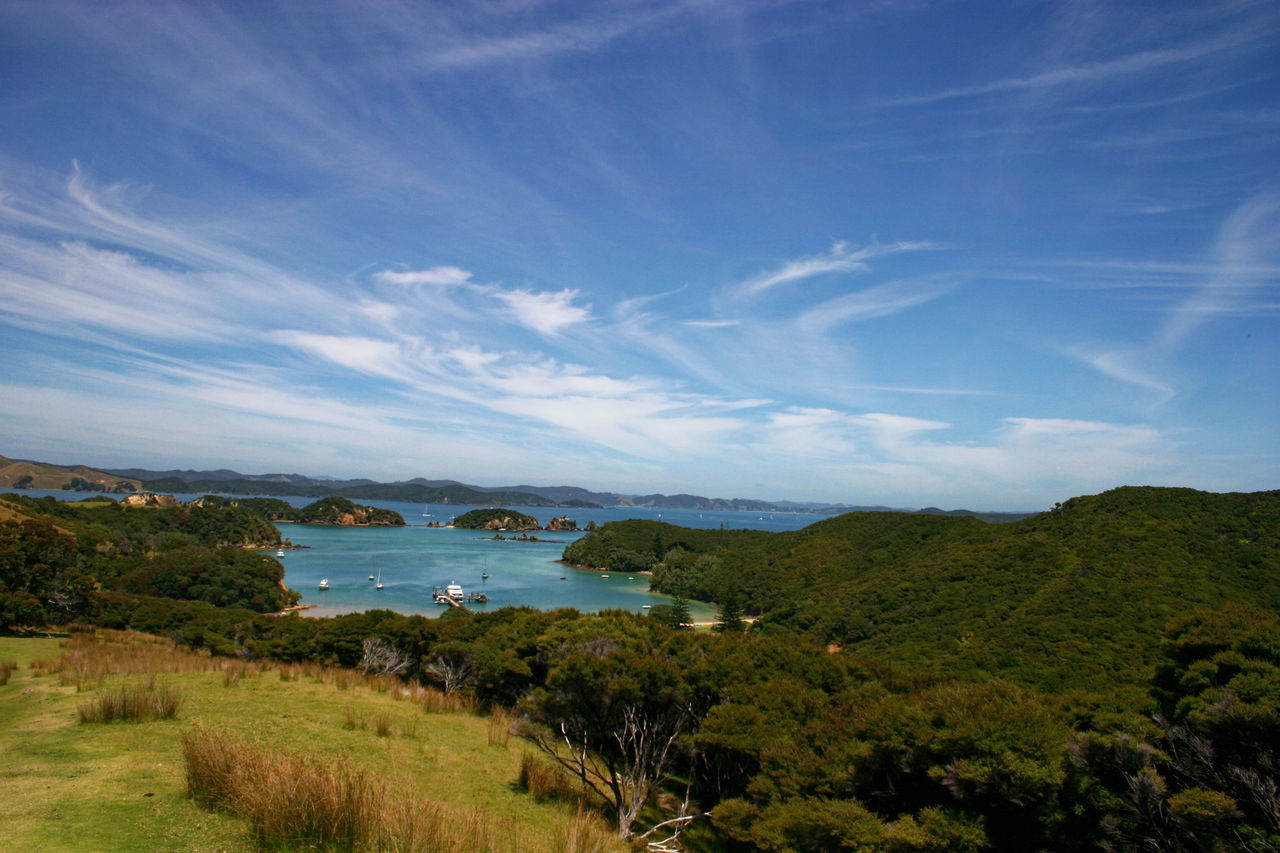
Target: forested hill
1077	596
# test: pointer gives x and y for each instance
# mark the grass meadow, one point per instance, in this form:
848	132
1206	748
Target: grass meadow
122	742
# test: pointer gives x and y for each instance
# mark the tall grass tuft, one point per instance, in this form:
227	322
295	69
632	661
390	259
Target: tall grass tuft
132	703
437	701
299	802
288	800
499	726
6	669
585	832
545	781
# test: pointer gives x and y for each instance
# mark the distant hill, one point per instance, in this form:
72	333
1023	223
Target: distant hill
416	490
23	474
1074	597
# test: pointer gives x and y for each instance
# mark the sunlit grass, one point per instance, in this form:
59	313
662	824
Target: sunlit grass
68	786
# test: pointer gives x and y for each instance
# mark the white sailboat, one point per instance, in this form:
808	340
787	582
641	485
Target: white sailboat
379	586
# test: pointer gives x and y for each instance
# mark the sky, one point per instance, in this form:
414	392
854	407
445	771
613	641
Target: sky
989	255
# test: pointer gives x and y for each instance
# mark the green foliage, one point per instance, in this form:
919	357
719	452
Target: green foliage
337	510
1075	597
223	577
55	566
804	825
496	518
1204	778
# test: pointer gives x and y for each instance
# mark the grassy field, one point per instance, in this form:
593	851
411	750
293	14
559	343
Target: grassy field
71	785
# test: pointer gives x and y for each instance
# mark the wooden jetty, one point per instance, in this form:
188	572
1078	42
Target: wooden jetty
455	597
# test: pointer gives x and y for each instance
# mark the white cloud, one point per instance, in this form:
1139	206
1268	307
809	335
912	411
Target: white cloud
364	355
74	289
440	276
711	324
542	311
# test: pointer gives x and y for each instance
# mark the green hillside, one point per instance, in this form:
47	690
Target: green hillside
21	474
1072	597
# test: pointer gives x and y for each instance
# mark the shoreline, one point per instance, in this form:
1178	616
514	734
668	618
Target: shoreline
294	608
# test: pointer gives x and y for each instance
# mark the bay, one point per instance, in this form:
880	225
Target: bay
414	559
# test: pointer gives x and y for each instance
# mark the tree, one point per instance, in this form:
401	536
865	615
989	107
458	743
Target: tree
382	658
730	619
452	665
612	715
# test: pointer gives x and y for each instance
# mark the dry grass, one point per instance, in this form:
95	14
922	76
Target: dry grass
545	781
6	669
132	703
585	833
394	785
437	701
500	724
324	804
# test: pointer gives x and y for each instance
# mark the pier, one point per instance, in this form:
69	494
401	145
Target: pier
455	597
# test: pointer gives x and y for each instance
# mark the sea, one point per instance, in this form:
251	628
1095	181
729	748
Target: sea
411	561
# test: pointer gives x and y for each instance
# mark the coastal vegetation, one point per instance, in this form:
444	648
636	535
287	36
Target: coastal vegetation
1068	598
1103	676
340	511
59	560
496	518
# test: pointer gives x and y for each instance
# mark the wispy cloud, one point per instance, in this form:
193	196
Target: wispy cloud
840	258
1087	74
1123	366
1248	244
1240	279
882	300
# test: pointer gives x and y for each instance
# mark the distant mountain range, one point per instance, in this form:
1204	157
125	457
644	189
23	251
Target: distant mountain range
39	475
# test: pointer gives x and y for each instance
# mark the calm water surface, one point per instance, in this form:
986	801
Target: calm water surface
412	560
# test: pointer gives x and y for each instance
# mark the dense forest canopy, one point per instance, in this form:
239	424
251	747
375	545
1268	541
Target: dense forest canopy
1070	597
57	557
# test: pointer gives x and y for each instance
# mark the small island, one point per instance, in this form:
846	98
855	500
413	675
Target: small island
344	513
496	518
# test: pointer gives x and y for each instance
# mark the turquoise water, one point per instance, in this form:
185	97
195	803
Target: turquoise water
413	559
416	558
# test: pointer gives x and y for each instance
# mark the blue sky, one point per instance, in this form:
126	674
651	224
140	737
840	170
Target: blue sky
989	255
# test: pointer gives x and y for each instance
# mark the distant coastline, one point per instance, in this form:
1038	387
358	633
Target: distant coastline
26	474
